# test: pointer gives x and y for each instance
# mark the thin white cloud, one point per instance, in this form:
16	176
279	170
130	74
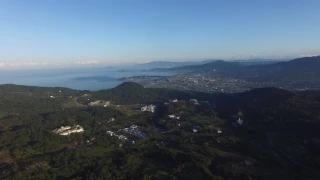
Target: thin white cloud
89	62
143	61
307	55
95	62
49	64
25	64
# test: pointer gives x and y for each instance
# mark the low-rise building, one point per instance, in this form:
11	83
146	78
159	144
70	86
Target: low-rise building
67	130
61	129
171	116
110	133
94	103
149	108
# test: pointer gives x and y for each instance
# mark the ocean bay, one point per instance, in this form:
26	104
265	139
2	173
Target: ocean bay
76	78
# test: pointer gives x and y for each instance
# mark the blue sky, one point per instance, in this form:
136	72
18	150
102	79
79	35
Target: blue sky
128	31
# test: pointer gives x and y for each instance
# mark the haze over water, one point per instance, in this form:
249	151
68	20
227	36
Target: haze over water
76	78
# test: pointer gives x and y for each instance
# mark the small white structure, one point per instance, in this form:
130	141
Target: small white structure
94	103
111	120
171	116
122	137
175	100
240	121
219	131
194	101
195	130
110	133
133	126
106	103
52	97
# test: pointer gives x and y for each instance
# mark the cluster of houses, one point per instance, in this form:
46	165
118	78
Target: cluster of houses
148	108
121	137
67	130
133	130
125	141
172	116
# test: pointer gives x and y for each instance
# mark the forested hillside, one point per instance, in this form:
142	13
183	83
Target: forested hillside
277	140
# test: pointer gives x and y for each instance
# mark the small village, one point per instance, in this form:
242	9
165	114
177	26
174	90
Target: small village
128	136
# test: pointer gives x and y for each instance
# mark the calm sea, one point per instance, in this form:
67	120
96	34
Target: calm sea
76	78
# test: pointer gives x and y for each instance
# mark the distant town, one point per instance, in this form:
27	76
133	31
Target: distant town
203	83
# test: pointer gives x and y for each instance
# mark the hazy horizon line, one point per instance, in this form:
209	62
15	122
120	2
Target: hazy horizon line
96	63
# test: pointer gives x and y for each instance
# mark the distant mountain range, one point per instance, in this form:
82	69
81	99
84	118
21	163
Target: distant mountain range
301	70
174	64
170	64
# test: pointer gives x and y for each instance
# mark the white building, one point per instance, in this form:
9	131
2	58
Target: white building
149	108
94	103
171	116
133	126
66	130
61	129
110	133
